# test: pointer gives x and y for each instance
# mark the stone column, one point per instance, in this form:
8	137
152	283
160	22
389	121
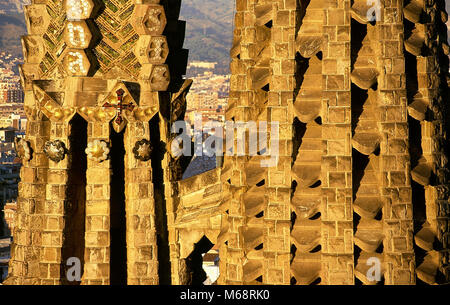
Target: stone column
426	67
98	176
395	176
307	148
337	228
142	258
24	266
54	207
277	216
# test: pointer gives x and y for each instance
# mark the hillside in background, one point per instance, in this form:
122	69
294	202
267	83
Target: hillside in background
208	29
12	26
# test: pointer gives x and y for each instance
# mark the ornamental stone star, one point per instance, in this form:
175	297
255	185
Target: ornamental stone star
97	150
142	150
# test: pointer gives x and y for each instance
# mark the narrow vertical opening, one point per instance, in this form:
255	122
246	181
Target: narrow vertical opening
162	238
118	247
75	207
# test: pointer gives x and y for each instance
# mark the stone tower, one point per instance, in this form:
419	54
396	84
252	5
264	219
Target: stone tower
359	89
102	80
359	92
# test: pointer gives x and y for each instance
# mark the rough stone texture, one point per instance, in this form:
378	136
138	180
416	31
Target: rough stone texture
83	80
362	170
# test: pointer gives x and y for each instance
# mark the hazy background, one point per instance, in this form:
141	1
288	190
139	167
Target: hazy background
208	29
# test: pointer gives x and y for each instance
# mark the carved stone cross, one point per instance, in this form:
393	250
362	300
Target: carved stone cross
120	106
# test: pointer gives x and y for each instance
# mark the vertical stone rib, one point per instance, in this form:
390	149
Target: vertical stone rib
337	217
98	192
395	175
142	264
233	175
53	218
172	105
426	43
24	266
280	110
367	205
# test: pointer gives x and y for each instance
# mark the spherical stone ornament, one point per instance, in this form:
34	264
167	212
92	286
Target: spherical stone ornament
23	149
55	150
142	150
97	150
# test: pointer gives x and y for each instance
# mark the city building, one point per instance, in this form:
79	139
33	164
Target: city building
10	92
9	212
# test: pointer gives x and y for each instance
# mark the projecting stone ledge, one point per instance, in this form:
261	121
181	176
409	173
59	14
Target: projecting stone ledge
363	266
418	109
366	143
428	269
307	111
306	268
368	235
364	78
308	46
367	206
413	10
416	42
425	238
422	173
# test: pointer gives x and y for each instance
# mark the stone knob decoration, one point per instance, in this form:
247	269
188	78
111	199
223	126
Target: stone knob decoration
55	150
97	150
142	150
23	149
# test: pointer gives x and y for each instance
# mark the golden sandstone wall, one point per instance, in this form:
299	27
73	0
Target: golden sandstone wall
362	171
360	96
101	81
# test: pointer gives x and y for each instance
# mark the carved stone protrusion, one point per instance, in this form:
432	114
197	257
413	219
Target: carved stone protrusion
37	18
55	150
76	62
160	78
142	150
149	19
77	35
33	48
80	9
152	49
179	100
97	150
23	149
